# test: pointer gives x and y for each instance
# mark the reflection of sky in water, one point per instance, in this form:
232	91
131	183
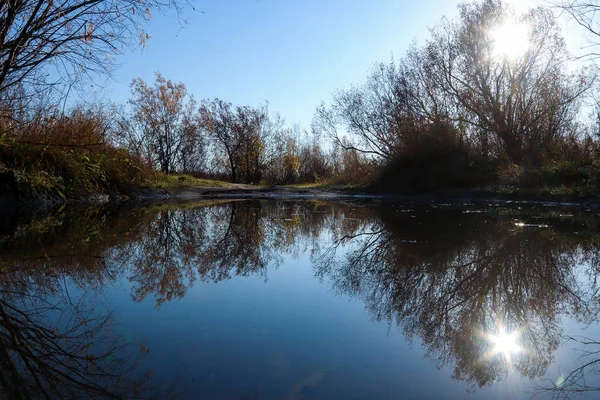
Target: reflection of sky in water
286	333
292	336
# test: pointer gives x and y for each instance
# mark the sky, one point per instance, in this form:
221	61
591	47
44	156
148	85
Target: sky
293	54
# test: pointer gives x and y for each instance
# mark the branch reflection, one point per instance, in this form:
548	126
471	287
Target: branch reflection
59	342
483	292
454	280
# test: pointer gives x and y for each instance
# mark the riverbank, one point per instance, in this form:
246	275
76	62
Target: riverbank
184	188
51	174
59	172
337	192
38	175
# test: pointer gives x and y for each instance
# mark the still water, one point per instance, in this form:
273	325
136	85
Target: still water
300	300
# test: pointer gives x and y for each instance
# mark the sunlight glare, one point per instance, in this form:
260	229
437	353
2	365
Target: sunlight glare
510	40
505	343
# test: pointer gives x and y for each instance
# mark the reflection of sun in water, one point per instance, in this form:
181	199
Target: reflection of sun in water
510	39
505	343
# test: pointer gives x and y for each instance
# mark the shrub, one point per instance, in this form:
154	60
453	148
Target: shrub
434	157
66	156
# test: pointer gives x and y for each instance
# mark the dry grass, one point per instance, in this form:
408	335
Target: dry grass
162	181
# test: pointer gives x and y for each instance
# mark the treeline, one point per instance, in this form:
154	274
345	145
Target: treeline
453	112
173	132
164	130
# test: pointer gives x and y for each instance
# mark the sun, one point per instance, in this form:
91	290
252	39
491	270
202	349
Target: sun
510	39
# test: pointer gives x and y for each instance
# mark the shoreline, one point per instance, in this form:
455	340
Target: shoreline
241	191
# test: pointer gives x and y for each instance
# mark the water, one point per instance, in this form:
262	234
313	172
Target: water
300	300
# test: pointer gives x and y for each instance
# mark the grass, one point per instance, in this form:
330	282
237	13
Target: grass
166	182
30	171
328	185
544	191
70	156
556	179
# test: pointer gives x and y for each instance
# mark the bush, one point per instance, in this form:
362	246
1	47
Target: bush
69	172
356	169
435	157
65	156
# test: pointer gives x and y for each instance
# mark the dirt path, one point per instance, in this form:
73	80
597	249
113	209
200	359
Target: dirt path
251	191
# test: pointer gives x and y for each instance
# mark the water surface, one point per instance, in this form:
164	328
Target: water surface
300	300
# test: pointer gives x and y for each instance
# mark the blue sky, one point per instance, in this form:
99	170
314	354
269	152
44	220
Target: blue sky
294	54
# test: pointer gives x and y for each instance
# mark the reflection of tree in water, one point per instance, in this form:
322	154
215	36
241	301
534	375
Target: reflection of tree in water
179	246
452	279
448	286
215	243
583	379
57	344
444	277
163	250
57	337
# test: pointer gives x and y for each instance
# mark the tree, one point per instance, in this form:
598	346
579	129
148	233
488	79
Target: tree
166	123
315	163
525	102
69	37
516	106
374	114
583	12
237	132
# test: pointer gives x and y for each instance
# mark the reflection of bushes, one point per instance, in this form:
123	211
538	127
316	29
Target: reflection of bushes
163	249
442	275
55	345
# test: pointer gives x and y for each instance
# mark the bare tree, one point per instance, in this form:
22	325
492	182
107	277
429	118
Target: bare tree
524	103
67	38
166	123
518	106
237	132
368	118
584	13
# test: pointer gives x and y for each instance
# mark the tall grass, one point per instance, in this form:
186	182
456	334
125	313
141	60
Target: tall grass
65	155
